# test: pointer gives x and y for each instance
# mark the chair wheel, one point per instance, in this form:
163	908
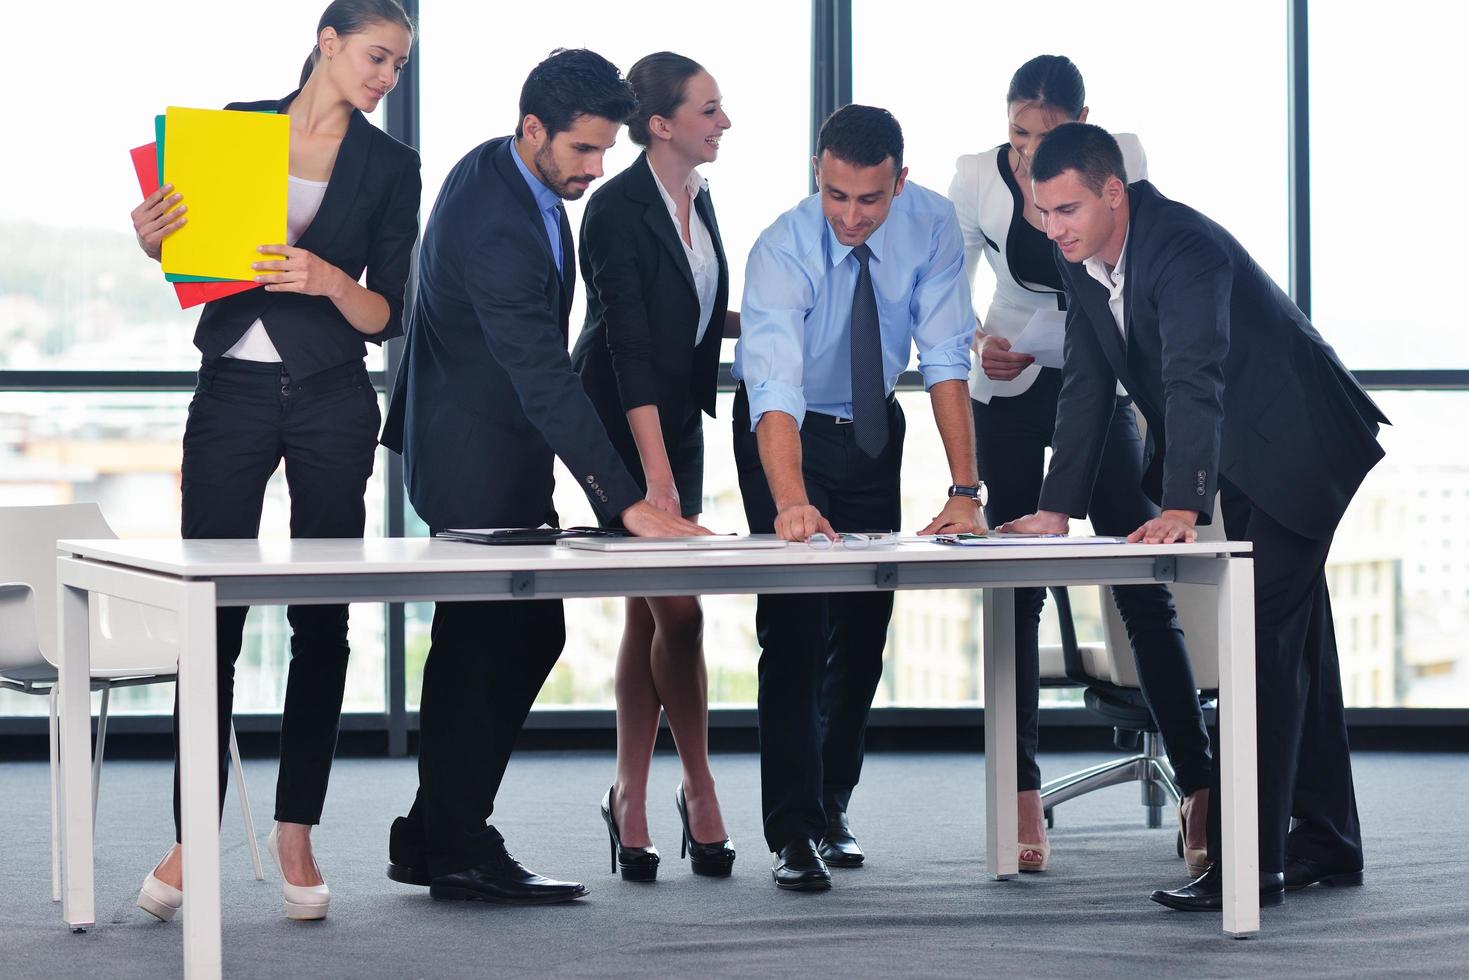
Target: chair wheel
1180	843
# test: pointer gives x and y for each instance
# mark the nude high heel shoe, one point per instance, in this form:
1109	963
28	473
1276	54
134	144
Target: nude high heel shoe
1196	859
1043	849
160	900
302	901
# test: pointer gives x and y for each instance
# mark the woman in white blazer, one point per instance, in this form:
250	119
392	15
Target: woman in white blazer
1014	402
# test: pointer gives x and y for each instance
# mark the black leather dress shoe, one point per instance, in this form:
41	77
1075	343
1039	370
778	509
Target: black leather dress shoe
406	861
1206	892
1303	872
838	847
799	868
505	881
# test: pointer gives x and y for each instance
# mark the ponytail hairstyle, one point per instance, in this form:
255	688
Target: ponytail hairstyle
352	16
660	81
1049	81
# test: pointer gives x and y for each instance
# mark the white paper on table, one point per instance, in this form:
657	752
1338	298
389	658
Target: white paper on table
1044	338
994	539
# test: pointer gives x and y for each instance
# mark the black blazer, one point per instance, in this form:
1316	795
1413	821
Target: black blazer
637	345
486	393
1232	379
368	220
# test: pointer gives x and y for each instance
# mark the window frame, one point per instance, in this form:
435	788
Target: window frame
832	72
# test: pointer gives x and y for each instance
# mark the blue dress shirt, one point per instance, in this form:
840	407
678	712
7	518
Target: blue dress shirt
795	351
546	200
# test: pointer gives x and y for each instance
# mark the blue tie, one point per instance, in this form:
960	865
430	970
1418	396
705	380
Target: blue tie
552	218
869	387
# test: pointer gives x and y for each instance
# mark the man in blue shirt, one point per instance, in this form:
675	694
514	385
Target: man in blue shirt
837	292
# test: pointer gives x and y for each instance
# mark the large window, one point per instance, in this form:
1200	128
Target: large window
1213	130
77	299
75	291
1381	150
1399	566
477	57
121	451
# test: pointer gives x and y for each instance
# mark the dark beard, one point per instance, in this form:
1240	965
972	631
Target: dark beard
553	178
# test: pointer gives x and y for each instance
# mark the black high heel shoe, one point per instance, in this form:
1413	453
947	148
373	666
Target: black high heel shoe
711	860
636	863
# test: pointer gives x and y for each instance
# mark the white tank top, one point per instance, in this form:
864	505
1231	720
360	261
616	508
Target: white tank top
303	200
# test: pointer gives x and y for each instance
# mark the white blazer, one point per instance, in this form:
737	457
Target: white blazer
986	207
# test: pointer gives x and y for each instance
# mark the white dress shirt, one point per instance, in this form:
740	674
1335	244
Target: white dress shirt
303	200
1112	280
703	262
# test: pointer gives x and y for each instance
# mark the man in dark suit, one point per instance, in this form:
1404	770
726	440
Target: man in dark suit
1242	396
485	398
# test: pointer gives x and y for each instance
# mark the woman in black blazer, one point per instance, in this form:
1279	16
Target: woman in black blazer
648	355
283	378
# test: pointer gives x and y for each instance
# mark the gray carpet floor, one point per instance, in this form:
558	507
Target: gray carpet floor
921	908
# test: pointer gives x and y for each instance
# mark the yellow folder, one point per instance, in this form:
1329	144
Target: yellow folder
231	168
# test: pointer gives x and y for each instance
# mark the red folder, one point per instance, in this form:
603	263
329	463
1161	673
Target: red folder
145	163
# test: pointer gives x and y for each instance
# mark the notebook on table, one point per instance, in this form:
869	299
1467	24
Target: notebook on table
525	535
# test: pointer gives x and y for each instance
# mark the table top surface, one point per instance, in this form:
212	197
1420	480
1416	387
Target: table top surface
220	558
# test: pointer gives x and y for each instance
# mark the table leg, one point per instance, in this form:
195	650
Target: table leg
199	780
78	901
1236	752
1002	826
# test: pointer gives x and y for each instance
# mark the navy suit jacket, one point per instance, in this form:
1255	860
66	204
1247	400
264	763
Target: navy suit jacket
1231	377
368	219
485	396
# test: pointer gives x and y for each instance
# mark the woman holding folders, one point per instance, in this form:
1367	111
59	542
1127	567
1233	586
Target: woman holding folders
648	355
283	378
1014	402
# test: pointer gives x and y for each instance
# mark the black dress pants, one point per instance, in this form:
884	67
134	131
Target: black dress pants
820	655
245	417
1305	766
1011	436
486	664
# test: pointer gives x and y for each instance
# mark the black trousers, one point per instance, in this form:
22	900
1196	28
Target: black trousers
486	664
1011	436
1305	766
820	655
246	417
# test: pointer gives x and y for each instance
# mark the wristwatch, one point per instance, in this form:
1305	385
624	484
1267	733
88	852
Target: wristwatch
977	492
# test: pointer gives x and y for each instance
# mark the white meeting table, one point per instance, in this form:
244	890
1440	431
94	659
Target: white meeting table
194	578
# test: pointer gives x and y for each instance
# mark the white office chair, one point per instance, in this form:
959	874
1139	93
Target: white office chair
1109	676
131	644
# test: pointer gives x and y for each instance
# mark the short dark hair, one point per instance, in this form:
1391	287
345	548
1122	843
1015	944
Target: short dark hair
1049	81
574	82
862	135
659	81
1089	150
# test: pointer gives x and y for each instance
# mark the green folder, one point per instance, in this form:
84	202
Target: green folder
158	136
